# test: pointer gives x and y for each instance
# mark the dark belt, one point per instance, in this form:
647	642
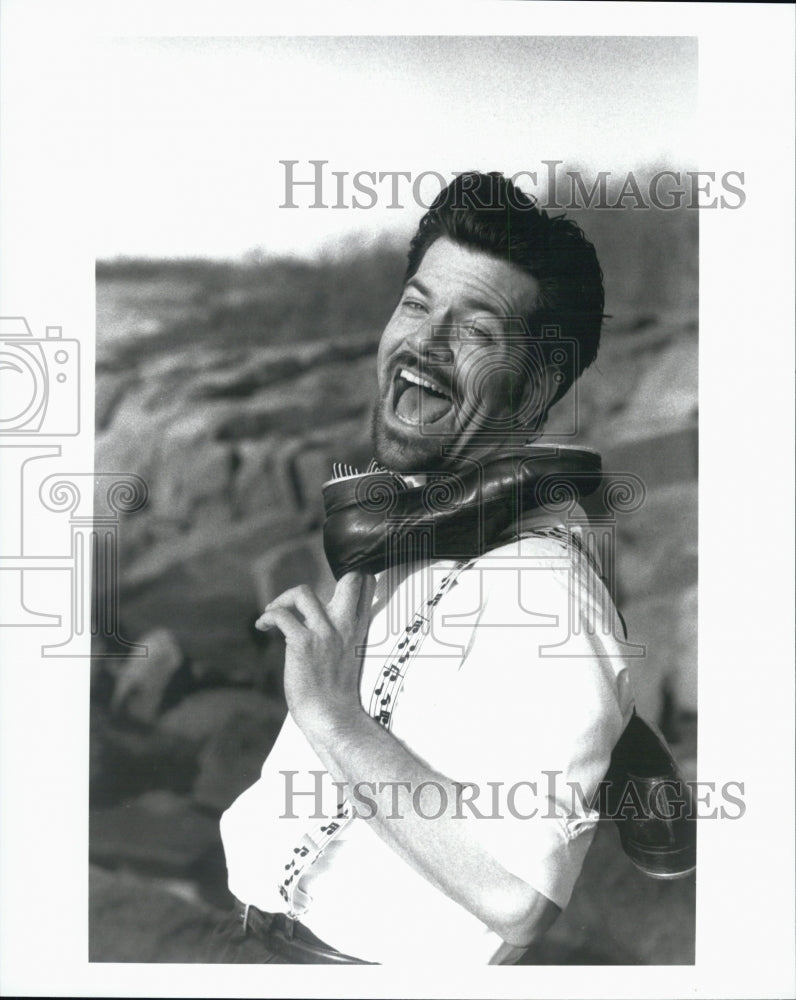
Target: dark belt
290	939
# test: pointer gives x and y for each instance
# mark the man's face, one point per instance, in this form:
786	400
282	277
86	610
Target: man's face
450	362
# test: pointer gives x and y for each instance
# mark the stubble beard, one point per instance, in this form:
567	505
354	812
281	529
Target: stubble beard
409	453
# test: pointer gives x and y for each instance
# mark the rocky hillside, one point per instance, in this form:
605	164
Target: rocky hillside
231	389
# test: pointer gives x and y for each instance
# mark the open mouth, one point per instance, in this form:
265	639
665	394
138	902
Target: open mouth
418	399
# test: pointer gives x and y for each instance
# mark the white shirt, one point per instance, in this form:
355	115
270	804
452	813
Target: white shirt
519	680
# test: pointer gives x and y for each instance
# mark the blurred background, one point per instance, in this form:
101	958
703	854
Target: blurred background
235	362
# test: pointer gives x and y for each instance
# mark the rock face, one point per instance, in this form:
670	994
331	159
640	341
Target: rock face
231	390
134	918
159	830
141	682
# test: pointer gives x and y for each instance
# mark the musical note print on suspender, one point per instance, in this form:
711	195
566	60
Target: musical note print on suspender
306	856
381	707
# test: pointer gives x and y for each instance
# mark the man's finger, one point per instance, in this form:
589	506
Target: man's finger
285	621
366	595
343	604
306	602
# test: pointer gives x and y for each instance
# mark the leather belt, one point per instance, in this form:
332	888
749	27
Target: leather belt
290	939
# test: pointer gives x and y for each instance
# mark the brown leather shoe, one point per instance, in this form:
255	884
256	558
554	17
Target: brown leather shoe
651	804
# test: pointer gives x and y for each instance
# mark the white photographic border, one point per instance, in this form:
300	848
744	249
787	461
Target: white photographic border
50	157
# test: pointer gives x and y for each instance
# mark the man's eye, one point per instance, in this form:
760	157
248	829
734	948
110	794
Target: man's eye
413	305
479	333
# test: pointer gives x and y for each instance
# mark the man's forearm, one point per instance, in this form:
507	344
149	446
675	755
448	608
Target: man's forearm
358	751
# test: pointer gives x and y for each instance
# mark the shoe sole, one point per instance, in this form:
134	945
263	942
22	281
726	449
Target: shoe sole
665	876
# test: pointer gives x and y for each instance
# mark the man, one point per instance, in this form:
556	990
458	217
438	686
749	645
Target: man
418	804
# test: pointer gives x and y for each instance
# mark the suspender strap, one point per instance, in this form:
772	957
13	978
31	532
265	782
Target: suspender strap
381	706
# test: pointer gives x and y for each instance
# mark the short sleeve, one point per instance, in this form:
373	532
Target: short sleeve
539	704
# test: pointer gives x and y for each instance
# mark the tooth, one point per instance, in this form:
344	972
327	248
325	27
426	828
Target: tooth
424	382
419	380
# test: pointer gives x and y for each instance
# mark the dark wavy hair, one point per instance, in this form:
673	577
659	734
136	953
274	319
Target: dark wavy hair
488	212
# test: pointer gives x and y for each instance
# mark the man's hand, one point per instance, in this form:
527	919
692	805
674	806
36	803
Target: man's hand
321	663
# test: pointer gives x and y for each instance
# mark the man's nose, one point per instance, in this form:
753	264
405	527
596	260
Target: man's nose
433	341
